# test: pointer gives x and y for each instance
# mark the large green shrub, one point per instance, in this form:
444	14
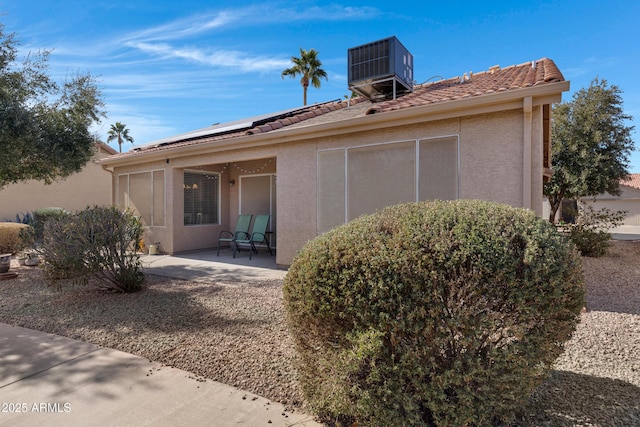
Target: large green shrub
96	245
440	313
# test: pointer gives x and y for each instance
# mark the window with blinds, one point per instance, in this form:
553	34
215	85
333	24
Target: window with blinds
201	197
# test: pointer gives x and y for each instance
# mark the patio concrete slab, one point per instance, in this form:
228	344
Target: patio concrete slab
206	265
51	380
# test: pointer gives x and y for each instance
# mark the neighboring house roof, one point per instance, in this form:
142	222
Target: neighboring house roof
633	181
102	147
472	85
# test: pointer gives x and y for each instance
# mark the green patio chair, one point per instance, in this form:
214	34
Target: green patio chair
258	236
242	232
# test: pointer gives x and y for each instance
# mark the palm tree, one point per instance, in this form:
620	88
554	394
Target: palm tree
308	66
120	132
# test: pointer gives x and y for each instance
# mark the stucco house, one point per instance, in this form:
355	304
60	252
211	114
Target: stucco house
91	186
628	200
483	135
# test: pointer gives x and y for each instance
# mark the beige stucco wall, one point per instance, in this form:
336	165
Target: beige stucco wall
491	168
296	199
491	160
629	200
91	186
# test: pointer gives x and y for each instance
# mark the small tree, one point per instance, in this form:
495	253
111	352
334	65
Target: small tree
44	127
119	132
309	67
591	145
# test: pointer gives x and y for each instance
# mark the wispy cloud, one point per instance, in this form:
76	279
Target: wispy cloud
183	39
193	84
161	41
239	61
184	28
332	12
592	65
255	15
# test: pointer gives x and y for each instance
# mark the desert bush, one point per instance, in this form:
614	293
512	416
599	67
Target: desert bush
590	233
10	237
436	314
94	246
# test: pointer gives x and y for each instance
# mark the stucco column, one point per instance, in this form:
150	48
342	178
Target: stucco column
526	167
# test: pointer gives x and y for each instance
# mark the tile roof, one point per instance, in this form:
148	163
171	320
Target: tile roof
633	181
494	80
101	146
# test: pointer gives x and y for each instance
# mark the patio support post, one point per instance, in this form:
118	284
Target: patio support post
526	169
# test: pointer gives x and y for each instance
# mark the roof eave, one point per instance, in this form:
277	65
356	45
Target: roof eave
512	99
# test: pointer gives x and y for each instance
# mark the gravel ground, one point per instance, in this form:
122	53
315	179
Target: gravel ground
231	333
236	334
596	382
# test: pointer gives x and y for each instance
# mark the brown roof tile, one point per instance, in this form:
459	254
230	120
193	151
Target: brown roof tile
633	181
476	84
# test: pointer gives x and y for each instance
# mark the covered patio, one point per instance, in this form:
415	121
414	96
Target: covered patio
185	206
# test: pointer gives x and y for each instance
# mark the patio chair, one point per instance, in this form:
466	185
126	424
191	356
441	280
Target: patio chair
258	236
242	232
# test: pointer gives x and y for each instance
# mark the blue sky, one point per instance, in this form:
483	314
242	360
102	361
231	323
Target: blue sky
168	67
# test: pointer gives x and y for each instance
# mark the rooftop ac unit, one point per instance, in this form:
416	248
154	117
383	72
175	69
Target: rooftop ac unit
381	69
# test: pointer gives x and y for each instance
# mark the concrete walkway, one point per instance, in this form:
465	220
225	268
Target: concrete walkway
48	380
626	232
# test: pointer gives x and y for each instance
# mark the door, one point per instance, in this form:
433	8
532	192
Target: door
258	197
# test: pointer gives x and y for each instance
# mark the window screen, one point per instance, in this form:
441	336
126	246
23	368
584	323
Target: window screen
123	191
379	176
140	195
143	194
331	189
438	169
158	199
376	176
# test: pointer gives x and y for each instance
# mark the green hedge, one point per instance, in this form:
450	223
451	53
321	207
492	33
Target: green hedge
441	313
